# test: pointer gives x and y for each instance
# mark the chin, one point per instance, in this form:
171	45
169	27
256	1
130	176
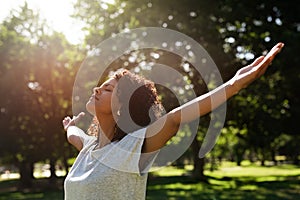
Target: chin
90	108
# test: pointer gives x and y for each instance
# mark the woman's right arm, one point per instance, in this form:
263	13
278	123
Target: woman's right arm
75	135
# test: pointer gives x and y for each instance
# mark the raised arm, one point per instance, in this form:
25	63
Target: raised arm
75	135
166	127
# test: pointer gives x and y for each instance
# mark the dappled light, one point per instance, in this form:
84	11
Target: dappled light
44	45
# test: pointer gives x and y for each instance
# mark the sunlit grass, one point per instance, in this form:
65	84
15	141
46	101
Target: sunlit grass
170	171
270	173
249	181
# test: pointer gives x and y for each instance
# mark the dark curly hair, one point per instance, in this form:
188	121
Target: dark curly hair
140	105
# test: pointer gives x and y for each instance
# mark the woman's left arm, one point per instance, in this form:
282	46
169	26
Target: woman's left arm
158	133
75	135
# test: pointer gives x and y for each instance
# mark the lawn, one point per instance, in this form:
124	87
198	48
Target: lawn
229	182
170	183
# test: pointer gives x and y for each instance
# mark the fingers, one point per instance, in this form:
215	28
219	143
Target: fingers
256	65
67	118
263	62
274	51
77	118
257	61
270	57
277	48
67	121
81	114
257	68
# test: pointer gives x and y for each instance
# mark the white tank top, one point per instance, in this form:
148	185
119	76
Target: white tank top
109	173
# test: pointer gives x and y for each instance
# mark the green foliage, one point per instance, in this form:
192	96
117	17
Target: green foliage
36	80
38	67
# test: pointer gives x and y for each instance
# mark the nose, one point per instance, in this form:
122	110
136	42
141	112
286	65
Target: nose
97	90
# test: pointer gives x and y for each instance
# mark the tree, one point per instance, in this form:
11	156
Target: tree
248	28
37	75
190	17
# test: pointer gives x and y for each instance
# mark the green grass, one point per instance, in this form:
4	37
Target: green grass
228	182
9	190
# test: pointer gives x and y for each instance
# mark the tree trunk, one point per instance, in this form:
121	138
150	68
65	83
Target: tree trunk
239	153
252	156
52	168
295	159
263	160
198	171
213	164
66	165
274	157
26	174
53	176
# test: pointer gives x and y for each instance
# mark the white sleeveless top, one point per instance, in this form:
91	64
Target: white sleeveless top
109	173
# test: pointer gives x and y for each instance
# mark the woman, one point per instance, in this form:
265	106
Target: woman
130	130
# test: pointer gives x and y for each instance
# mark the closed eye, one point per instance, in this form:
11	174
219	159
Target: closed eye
108	87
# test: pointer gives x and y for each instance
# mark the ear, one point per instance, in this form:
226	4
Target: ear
116	106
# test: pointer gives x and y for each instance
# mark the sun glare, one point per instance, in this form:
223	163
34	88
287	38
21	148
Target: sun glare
56	12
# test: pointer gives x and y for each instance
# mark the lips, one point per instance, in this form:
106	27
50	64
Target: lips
94	96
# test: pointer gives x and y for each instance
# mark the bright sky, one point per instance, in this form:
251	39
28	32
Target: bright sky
56	12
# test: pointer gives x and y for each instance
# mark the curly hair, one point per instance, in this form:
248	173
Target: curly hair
140	105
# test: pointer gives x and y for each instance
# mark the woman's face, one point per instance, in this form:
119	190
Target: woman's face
104	100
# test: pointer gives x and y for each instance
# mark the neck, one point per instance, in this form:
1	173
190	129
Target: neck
107	130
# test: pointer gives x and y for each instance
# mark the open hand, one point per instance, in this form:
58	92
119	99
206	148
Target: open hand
67	122
248	74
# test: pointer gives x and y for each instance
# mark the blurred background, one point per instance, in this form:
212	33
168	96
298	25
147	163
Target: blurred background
44	43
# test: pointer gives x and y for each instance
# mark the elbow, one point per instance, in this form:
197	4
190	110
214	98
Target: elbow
75	141
71	139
